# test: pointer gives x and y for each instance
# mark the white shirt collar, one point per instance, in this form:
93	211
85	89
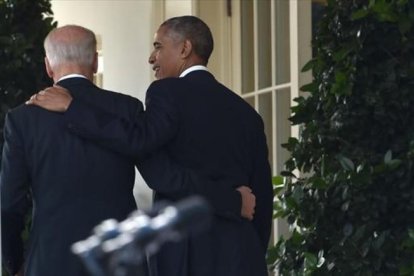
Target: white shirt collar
193	68
72	76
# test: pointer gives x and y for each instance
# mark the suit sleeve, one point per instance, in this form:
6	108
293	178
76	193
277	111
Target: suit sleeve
14	185
261	184
174	182
143	137
133	137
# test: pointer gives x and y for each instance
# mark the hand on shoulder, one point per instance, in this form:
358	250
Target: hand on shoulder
54	98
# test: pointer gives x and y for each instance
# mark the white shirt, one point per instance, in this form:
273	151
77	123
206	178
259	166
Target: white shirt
193	68
72	76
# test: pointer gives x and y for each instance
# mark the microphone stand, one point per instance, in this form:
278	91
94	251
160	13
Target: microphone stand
121	249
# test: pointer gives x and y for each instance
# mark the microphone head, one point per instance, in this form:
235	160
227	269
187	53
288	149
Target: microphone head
194	215
119	244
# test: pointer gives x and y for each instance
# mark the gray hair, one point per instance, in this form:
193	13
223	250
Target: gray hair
70	44
194	29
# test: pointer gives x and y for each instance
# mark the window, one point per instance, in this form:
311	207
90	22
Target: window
266	70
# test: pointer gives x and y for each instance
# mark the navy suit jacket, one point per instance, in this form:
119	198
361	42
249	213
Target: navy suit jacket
205	127
74	183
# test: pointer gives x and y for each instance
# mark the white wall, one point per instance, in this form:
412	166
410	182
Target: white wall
126	30
174	8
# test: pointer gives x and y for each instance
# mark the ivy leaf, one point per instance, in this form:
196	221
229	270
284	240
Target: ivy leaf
359	14
278	188
277	180
346	163
311	87
393	164
319	183
348	229
341	54
388	157
411	233
321	259
310	261
309	65
379	241
297	238
272	255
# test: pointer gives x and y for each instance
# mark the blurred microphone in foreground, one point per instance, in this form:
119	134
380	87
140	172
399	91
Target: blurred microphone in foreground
120	248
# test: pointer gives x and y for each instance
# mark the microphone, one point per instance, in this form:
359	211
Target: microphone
118	246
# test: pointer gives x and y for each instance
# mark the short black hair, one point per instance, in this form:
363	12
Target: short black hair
194	29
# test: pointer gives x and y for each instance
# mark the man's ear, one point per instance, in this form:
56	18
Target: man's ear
187	49
49	70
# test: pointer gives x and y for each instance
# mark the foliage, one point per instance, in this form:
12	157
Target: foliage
351	206
23	26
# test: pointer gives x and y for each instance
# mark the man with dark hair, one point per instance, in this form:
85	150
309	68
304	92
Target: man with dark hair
202	125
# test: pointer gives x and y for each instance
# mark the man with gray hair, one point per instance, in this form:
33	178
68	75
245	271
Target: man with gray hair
74	184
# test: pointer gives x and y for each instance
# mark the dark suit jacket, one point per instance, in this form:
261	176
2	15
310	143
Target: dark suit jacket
207	128
74	184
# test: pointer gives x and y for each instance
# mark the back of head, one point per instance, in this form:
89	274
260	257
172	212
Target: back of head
70	44
195	30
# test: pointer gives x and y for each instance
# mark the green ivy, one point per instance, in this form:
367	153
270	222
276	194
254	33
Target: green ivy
351	208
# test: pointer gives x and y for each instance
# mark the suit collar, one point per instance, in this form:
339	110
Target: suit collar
199	75
72	76
74	81
192	69
76	85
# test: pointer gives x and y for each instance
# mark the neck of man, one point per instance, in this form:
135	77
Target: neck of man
192	61
73	69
